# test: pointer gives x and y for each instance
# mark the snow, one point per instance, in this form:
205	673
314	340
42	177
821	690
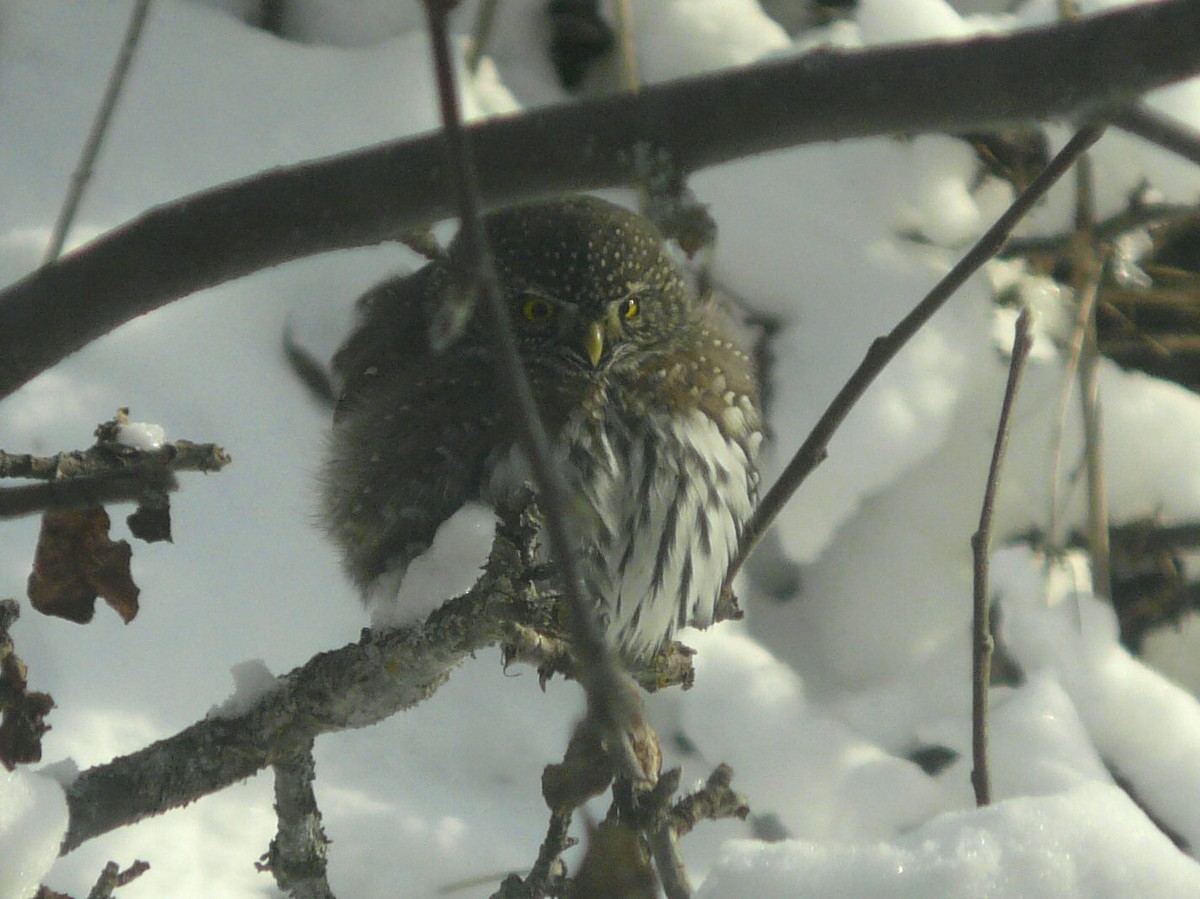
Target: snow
817	700
686	37
252	680
1086	843
141	435
883	21
33	822
450	567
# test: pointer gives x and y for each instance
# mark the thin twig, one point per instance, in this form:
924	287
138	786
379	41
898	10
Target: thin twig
630	79
715	800
355	199
1087	271
668	862
884	349
1136	215
1168	133
653	815
1089	398
107	489
981	644
481	32
1084	312
1085	279
107	458
91	147
549	867
609	689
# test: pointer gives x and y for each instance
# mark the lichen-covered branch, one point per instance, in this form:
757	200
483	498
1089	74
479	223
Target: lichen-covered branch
109	471
297	855
351	687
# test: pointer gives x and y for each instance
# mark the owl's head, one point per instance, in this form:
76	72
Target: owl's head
588	284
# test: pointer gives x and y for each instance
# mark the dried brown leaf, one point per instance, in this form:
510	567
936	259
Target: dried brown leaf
75	562
21	729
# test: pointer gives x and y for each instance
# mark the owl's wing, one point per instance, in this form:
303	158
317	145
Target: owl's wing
412	440
392	336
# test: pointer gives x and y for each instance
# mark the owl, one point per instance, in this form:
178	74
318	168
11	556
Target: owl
651	406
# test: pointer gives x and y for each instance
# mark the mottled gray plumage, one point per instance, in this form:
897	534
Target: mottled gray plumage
651	406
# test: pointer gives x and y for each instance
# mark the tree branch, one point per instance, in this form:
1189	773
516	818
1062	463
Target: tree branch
1168	133
91	147
351	687
112	878
354	686
981	643
107	472
1066	70
610	691
813	451
715	800
297	855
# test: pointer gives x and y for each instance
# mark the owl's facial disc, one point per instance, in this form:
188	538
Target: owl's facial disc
589	332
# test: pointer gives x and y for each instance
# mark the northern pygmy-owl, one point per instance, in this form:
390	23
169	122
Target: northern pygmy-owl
651	407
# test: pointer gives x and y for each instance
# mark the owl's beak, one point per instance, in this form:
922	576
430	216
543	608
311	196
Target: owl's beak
593	342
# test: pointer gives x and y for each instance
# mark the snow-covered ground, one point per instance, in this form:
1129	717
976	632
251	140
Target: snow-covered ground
815	700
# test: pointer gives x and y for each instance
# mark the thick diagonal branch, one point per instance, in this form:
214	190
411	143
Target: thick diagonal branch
1067	70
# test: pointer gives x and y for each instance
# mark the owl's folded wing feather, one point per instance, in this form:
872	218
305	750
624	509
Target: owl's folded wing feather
392	337
417	444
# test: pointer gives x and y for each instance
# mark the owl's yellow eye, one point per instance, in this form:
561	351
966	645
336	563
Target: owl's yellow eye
629	309
535	309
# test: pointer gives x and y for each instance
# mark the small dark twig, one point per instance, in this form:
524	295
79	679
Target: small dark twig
113	877
630	79
812	453
91	147
297	855
102	489
607	687
549	869
481	33
668	862
1136	215
981	644
1159	129
1087	273
715	800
